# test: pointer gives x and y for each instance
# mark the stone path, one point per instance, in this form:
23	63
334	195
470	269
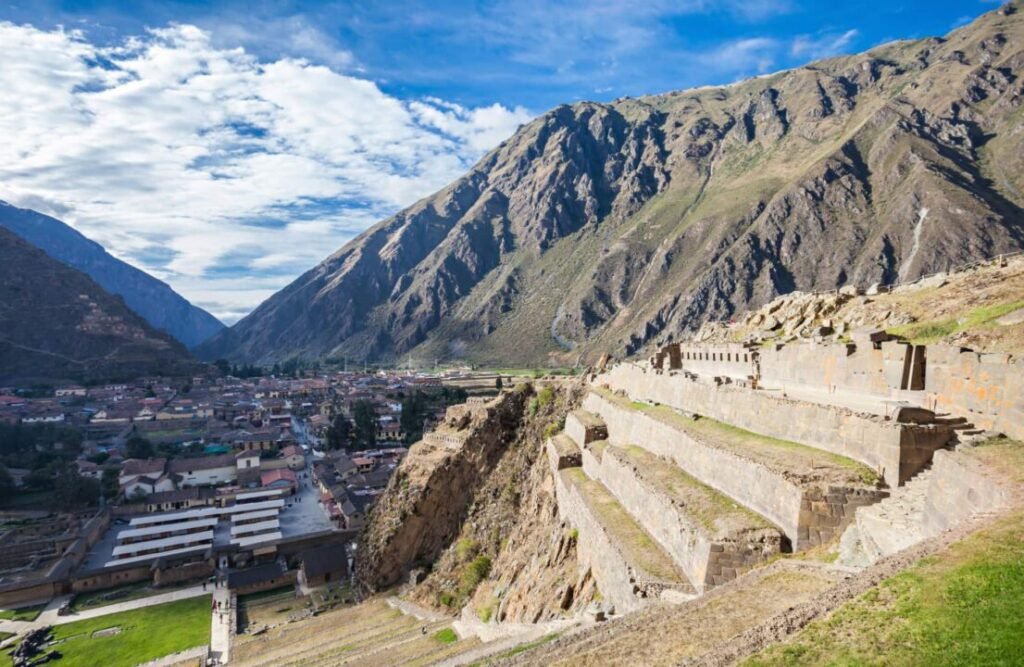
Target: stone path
415	610
222	625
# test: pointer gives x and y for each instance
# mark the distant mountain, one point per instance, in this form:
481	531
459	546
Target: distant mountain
154	300
57	324
612	227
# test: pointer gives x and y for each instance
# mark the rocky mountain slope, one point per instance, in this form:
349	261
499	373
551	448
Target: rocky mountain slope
610	227
154	300
477	527
57	324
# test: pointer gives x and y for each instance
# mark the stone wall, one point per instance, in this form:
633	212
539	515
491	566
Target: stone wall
749	483
619	583
562	453
988	389
807	513
707	560
725	360
895	450
883	371
583	427
959	488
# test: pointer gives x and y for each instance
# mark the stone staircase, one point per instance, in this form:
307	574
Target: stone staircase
888	526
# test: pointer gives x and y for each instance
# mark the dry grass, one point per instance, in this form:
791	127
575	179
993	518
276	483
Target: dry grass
638	546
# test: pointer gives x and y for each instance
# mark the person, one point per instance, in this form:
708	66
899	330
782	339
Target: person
204	585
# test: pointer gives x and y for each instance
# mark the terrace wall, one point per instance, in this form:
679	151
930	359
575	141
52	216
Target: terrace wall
988	389
896	451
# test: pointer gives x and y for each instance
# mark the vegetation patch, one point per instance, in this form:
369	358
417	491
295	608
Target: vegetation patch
932	331
964	606
22	613
145	634
446	636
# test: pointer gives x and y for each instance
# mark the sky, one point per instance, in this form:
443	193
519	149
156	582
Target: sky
228	147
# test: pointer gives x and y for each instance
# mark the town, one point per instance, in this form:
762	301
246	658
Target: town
242	479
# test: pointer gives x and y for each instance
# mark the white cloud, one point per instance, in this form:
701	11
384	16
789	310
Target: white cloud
823	46
755	55
169	142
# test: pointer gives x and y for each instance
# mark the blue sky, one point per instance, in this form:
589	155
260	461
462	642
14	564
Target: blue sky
227	147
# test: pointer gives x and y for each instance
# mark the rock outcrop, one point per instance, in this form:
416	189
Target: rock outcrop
613	227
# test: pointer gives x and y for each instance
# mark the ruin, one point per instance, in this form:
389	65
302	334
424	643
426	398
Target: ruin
688	469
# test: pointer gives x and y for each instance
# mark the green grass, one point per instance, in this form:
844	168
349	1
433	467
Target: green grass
935	330
446	636
22	614
146	634
4	636
523	648
964	606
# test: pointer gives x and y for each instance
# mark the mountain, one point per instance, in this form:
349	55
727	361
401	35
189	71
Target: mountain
154	300
57	324
611	227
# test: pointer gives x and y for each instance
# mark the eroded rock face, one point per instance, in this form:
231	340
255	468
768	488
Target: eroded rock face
602	227
491	499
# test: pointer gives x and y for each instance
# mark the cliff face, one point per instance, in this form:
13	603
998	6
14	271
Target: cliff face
57	324
609	227
478	526
155	301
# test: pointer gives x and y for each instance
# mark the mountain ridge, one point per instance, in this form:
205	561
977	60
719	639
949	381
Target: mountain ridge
151	298
614	227
57	324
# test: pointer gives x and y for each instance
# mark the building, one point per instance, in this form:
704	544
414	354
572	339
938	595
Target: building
295	458
323	565
282	478
259	578
205	470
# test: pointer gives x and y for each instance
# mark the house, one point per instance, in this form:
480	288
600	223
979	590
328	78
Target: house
64	392
89	469
247	458
282	478
364	463
148	485
205	470
294	456
259	578
135	468
323	565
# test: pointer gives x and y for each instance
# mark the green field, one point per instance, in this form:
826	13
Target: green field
22	614
145	634
962	606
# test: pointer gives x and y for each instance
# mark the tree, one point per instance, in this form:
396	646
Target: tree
6	482
413	409
366	425
138	447
109	484
72	491
339	435
223	366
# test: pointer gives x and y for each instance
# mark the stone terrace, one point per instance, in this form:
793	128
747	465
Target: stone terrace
895	449
810	494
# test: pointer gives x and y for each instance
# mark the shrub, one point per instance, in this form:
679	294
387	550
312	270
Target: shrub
446	598
465	548
474	573
446	636
546	395
533	406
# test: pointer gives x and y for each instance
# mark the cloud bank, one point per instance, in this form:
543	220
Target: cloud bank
222	174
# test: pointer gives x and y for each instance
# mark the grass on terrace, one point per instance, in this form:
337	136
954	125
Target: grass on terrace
145	634
642	550
768	449
931	331
701	502
963	606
